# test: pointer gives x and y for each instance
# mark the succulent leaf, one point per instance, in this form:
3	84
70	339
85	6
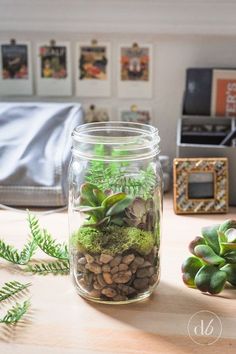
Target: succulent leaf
210	234
95	212
197	241
227	246
230	270
86	192
203	277
140	214
120	206
217	282
208	255
230	256
113	199
226	225
189	269
231	235
99	195
210	279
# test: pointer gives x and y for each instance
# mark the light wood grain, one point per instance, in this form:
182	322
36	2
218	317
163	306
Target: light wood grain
62	322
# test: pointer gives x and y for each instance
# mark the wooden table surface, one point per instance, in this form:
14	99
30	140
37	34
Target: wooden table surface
62	322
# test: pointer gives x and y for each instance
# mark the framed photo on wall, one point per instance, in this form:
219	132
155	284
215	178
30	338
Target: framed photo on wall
223	99
54	69
15	69
93	69
135	71
136	114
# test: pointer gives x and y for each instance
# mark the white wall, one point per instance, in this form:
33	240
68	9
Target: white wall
184	34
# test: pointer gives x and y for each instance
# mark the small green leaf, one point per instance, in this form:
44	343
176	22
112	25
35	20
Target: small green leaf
96	212
117	221
230	256
86	192
210	235
203	277
15	313
197	241
99	195
227	246
61	267
190	267
231	235
210	279
227	224
12	288
120	206
217	282
208	255
230	270
113	199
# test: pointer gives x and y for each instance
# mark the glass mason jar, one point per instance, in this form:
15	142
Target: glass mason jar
115	210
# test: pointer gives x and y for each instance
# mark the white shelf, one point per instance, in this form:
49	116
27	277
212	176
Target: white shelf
204	17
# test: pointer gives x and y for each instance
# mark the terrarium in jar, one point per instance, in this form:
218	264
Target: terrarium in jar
115	210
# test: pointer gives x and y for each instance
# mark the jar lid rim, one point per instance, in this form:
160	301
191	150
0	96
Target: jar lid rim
83	132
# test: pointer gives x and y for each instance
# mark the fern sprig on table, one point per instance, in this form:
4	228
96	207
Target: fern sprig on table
12	288
61	267
45	241
11	254
15	313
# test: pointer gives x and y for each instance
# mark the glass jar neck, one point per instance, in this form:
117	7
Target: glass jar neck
114	141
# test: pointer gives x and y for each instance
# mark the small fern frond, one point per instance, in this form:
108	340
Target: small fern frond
15	313
9	253
12	288
28	251
58	267
45	241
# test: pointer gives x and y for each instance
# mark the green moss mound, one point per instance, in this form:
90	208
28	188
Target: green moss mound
113	240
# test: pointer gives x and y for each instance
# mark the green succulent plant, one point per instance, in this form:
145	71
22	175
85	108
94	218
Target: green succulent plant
102	209
214	259
140	214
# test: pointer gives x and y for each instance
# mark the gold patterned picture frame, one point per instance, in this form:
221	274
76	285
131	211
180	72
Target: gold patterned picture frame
188	200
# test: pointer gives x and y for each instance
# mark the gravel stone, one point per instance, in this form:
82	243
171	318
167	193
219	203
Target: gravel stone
138	261
94	268
105	258
120	298
109	292
95	293
89	258
145	264
115	261
97	286
114	270
145	272
100	280
128	259
106	268
82	261
80	268
133	267
123	267
88	278
108	278
141	284
126	290
153	279
122	277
